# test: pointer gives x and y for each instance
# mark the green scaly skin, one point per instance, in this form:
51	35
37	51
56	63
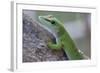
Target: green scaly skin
63	38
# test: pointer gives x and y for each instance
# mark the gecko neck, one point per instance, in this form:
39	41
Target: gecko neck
61	31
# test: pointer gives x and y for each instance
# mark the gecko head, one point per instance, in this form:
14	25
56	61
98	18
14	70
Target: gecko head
48	18
49	21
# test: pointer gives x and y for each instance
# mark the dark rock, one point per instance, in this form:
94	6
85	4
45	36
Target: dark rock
35	40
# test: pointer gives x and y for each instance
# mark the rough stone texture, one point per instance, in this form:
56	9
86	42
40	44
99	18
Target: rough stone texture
35	39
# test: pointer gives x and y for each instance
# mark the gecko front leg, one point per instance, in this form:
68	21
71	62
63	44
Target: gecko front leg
54	46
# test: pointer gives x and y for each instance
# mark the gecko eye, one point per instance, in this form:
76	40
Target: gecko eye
52	22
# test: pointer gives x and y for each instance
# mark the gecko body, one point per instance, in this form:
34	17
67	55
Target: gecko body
63	38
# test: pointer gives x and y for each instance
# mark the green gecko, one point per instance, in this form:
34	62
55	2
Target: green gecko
63	38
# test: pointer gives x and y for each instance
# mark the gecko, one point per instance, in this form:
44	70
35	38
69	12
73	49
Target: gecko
64	40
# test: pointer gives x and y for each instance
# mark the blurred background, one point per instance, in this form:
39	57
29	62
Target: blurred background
77	24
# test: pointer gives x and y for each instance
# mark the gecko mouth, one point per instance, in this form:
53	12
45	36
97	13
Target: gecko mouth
47	20
43	18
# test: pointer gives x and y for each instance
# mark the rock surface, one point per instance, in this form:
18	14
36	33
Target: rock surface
35	39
